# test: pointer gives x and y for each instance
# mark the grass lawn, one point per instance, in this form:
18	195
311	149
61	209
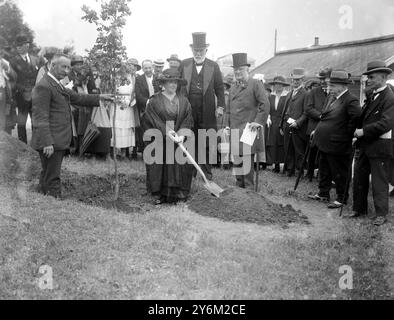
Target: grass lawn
173	253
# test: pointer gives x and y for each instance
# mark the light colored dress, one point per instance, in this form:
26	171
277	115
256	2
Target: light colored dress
125	121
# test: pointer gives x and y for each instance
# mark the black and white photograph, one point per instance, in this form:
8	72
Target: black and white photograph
175	152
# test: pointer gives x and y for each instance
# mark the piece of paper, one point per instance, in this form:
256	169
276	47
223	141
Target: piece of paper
290	121
248	136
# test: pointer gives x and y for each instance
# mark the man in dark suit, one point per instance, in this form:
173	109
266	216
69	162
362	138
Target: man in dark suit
294	123
248	103
26	67
333	136
52	132
374	136
274	140
315	102
204	83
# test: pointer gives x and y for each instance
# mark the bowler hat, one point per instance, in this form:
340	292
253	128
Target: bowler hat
339	77
279	80
324	73
298	73
199	40
377	66
174	57
21	40
135	63
240	60
76	59
171	75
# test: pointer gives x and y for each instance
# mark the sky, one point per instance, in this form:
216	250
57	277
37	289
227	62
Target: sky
159	28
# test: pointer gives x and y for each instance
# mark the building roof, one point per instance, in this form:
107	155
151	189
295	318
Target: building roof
352	56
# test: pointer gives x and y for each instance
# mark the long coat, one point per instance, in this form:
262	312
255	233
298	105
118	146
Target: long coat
295	109
212	87
315	101
52	113
377	118
169	179
247	104
142	91
274	140
334	132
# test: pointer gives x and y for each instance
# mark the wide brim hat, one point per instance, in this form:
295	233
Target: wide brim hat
199	40
340	77
240	60
298	73
21	40
377	66
135	63
174	57
171	75
324	73
279	80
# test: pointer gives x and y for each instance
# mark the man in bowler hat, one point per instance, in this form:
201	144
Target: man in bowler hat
374	134
204	87
26	67
248	103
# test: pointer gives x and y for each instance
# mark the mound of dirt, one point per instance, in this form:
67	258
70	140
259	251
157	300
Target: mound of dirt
18	162
99	191
241	205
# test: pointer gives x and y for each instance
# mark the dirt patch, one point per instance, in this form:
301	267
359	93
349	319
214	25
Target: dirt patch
241	205
99	191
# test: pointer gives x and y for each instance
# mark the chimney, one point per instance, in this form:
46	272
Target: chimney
316	42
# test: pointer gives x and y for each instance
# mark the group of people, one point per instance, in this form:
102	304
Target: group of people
303	125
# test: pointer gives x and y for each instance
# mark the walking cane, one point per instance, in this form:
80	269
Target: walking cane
349	176
256	188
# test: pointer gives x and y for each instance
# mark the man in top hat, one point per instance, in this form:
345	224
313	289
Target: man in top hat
26	67
315	102
274	140
174	61
248	103
204	87
374	139
333	137
294	123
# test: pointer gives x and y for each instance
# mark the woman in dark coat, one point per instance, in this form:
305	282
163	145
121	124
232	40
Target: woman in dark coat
274	144
168	182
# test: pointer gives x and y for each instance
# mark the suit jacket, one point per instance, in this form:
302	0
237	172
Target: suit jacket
334	133
295	109
142	91
212	87
51	112
26	73
247	104
377	118
315	102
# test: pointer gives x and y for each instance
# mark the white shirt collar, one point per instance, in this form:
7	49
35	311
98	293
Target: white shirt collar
342	93
380	89
54	78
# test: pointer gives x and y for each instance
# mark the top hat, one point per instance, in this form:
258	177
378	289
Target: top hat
279	80
298	73
199	40
240	60
21	40
377	66
339	77
135	63
76	59
171	75
174	57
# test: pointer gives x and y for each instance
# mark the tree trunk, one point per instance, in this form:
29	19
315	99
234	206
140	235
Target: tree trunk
116	195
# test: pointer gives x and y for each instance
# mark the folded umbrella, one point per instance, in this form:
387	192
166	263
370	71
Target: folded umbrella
91	134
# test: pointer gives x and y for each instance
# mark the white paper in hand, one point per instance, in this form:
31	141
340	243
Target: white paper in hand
290	121
248	136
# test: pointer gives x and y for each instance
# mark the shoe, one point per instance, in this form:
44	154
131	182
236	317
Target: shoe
318	198
354	214
380	221
335	205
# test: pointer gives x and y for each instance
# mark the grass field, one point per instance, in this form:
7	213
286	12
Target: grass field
173	253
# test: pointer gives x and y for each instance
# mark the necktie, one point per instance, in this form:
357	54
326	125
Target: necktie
199	64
